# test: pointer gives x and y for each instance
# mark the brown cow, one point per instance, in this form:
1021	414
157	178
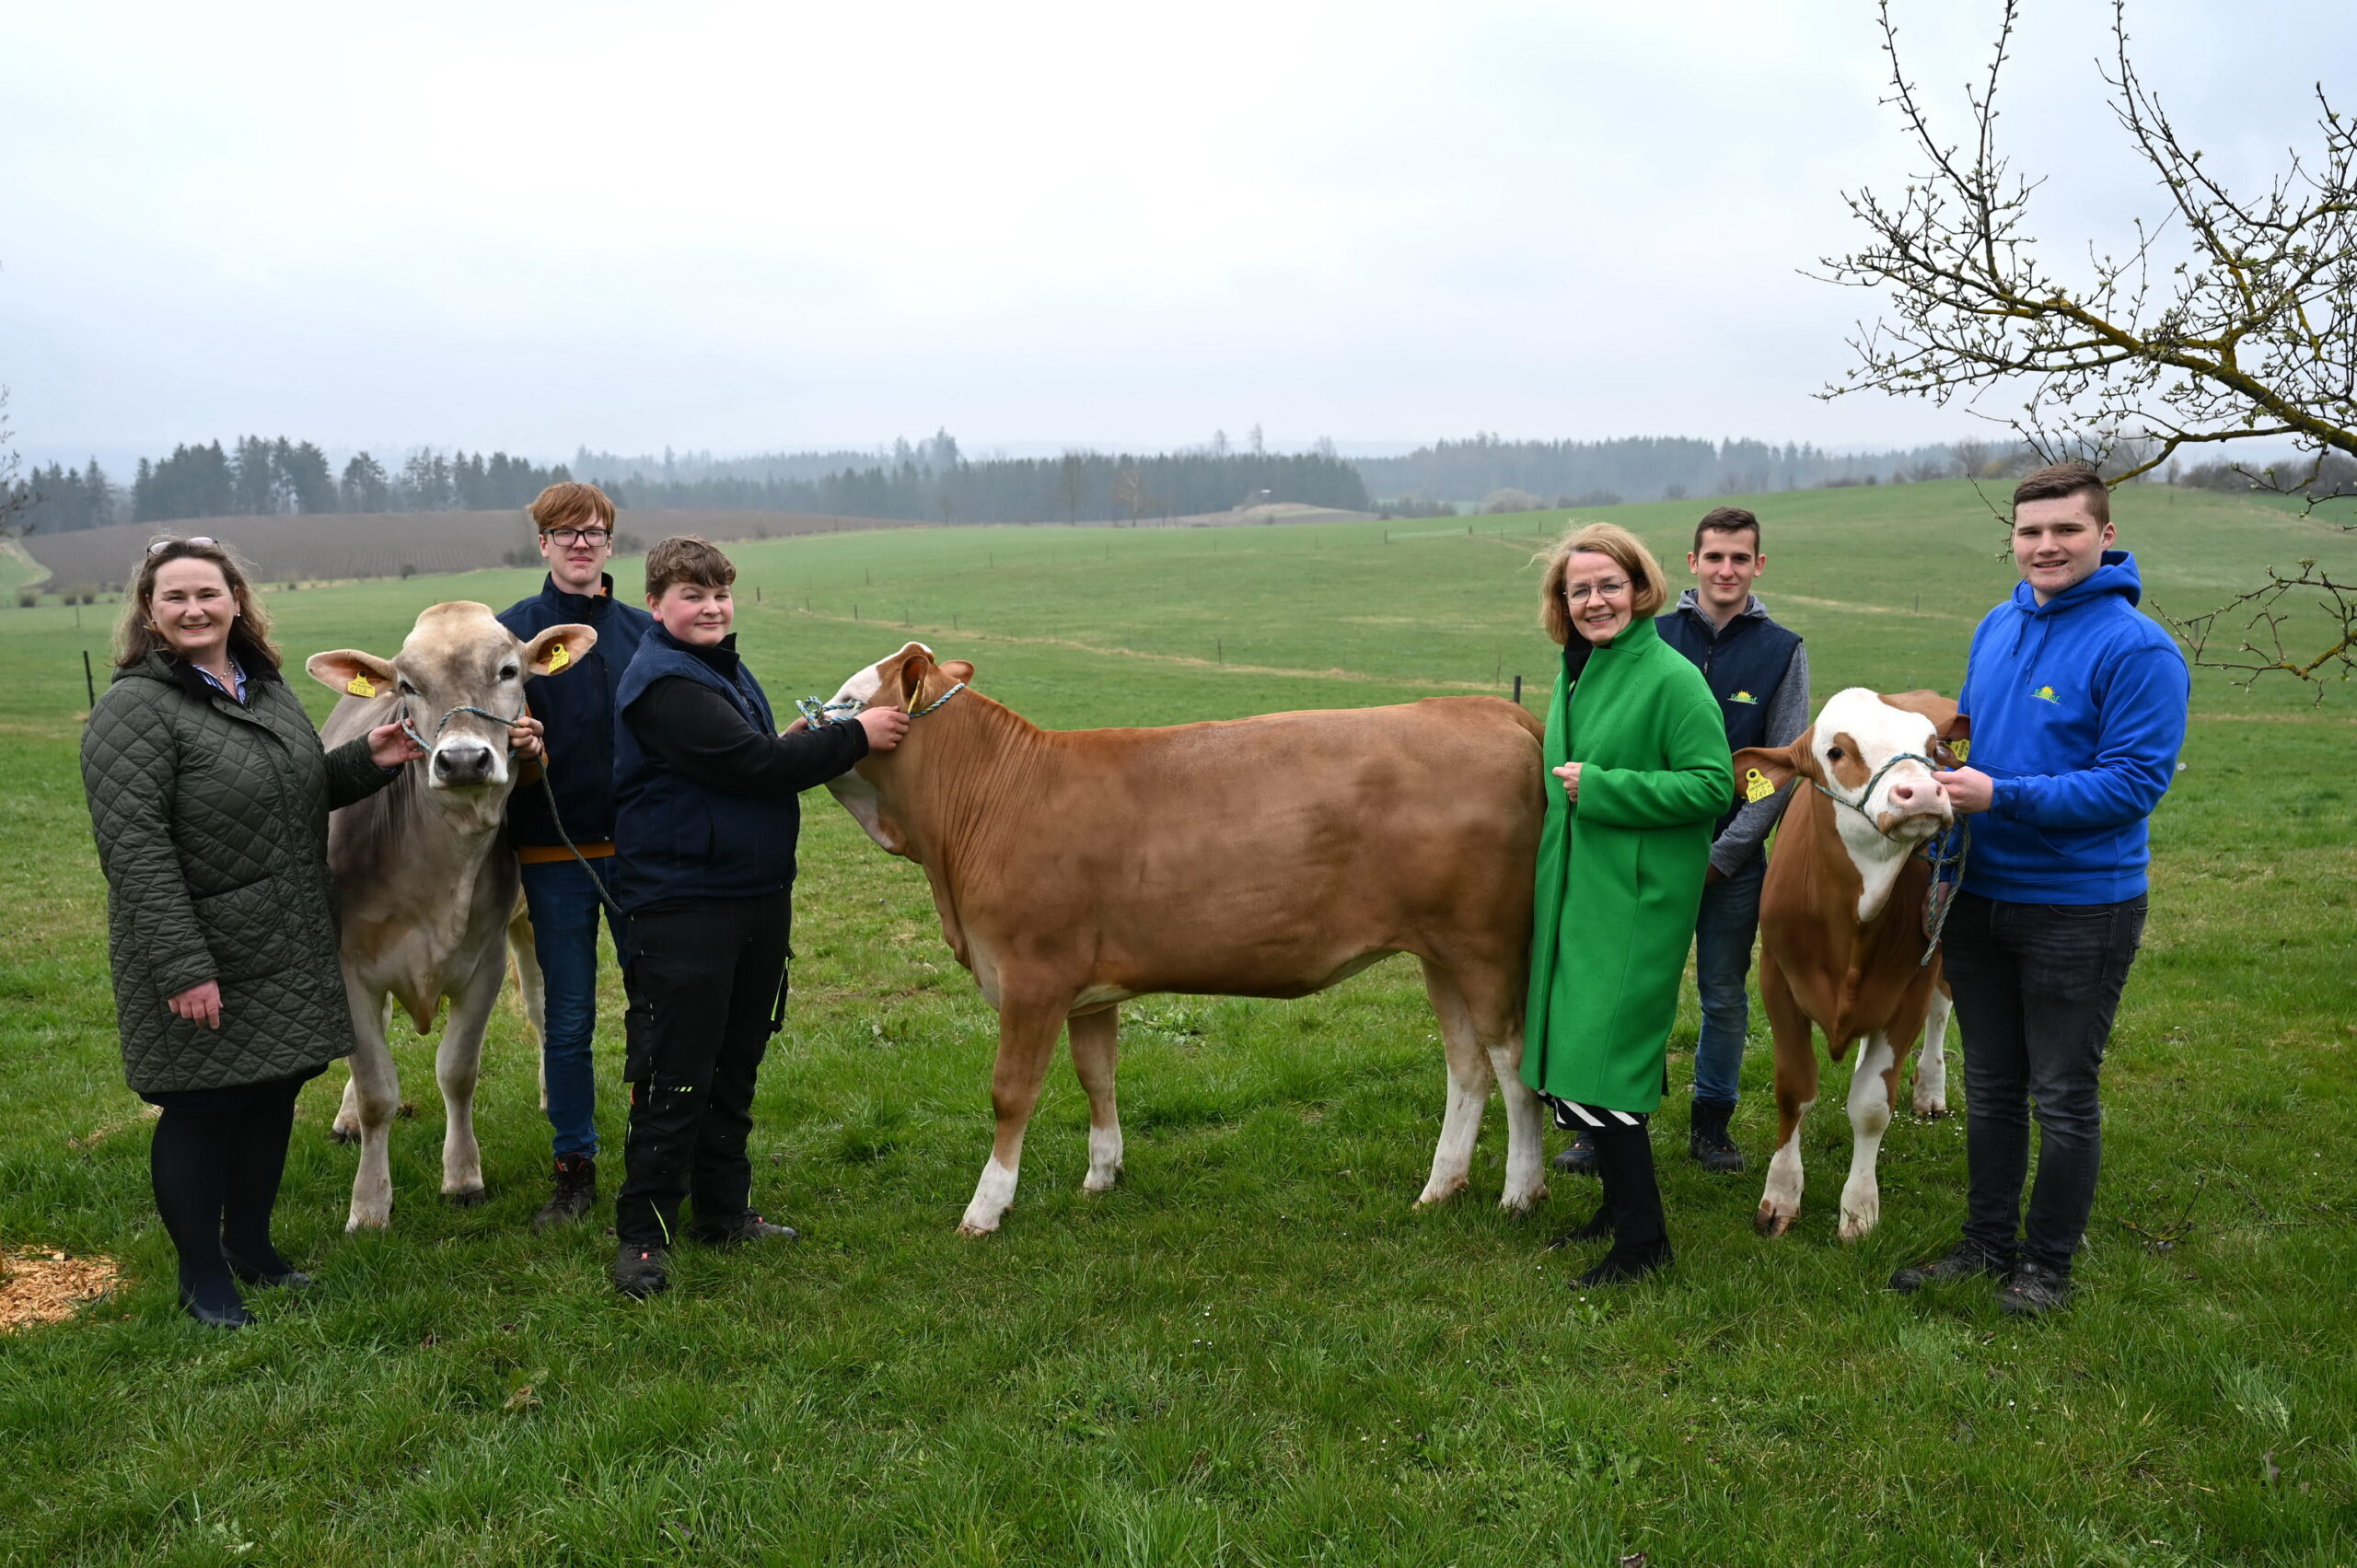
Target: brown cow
1841	942
1269	857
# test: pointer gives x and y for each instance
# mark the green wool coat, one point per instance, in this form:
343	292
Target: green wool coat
211	822
1620	873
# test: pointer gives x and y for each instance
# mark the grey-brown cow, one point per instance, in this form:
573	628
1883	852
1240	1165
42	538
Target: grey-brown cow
426	886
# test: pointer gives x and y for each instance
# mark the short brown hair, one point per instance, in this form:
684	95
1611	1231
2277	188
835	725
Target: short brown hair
136	636
1626	551
571	504
687	558
2056	480
1727	520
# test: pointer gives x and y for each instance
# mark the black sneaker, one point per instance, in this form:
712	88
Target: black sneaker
278	1274
1580	1158
1707	1140
2034	1289
641	1272
214	1312
747	1227
575	1193
1967	1260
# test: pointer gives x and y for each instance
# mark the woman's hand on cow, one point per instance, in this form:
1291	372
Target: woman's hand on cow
524	739
885	726
199	1005
1570	773
389	746
1969	789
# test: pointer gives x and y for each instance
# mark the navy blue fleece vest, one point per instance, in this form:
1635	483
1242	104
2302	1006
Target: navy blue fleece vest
676	838
1744	664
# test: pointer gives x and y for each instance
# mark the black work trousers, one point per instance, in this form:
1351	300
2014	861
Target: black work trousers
706	978
2036	987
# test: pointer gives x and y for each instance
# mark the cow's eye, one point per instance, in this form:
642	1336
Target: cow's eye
1833	754
508	673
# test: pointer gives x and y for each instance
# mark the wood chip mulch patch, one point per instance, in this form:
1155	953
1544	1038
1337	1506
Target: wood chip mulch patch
40	1287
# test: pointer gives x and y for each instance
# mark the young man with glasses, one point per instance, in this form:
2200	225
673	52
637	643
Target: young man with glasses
1757	671
576	524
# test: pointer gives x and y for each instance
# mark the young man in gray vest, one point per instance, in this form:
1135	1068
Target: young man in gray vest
1759	671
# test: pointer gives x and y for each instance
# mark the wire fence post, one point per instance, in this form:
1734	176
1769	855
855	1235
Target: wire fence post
89	682
1517	691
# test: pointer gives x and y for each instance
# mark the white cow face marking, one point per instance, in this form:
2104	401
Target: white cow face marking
862	687
859	796
1864	750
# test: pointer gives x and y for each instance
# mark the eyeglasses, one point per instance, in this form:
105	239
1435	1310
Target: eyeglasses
593	538
161	545
1611	588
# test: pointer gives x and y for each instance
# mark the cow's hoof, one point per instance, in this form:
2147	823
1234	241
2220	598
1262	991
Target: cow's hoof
1522	1204
1857	1223
357	1224
1435	1194
343	1134
1770	1223
467	1198
968	1228
1931	1112
1091	1184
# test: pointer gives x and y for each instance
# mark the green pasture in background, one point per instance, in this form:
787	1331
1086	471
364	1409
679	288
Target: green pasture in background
1255	1351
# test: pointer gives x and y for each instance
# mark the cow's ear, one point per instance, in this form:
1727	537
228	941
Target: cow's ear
557	650
958	670
1761	771
1955	741
351	672
913	665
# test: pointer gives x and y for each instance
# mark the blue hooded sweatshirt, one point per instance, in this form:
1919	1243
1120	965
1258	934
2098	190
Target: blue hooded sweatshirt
2078	710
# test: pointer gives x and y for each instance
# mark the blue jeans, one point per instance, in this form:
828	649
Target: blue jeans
564	906
1723	936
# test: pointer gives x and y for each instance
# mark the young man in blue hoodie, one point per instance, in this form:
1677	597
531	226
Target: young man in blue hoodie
2077	704
576	525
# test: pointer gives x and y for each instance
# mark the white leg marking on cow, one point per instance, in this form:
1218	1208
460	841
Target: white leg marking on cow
992	1193
1931	1061
1469	1089
372	1097
1094	1047
1781	1198
1870	1098
1526	1148
458	1063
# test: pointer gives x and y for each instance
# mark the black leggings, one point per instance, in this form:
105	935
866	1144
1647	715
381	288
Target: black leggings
216	1165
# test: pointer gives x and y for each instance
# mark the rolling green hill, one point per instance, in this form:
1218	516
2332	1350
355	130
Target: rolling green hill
1254	1351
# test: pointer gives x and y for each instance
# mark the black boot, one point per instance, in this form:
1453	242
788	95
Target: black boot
1707	1140
1579	1158
1631	1197
640	1271
576	1192
746	1227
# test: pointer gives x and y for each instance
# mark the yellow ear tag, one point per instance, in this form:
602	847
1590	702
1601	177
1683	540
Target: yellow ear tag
558	658
1962	749
1756	785
360	686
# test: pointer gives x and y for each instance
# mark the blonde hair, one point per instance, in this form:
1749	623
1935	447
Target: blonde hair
1624	550
136	636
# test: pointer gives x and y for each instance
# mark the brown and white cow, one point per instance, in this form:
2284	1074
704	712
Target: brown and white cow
424	880
1841	938
1269	857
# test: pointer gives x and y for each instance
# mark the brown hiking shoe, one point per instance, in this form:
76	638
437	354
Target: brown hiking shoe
576	1193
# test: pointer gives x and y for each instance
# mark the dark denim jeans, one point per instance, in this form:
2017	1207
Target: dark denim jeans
1722	939
564	906
2036	987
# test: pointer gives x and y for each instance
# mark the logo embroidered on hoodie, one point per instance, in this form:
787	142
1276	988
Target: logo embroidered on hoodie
2046	695
1744	697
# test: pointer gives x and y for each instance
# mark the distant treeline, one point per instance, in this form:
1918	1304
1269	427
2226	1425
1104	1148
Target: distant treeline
932	480
1643	468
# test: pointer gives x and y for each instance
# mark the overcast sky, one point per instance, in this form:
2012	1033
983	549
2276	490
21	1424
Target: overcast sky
792	225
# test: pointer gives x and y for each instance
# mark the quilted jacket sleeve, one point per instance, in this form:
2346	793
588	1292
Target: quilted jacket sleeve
353	774
130	764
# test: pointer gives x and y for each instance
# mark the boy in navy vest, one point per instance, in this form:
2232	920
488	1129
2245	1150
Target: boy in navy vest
2077	702
576	524
1759	671
705	821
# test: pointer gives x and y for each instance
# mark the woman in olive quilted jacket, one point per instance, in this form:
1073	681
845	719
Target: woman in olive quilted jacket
210	794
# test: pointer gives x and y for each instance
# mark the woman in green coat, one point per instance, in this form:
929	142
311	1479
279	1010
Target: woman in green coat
1633	735
209	796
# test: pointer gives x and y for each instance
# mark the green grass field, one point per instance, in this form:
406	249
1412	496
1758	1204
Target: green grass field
1255	1351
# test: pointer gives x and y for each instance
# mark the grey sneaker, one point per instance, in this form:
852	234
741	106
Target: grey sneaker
2034	1289
1579	1157
1967	1260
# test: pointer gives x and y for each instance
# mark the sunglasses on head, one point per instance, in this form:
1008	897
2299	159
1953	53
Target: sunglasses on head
161	545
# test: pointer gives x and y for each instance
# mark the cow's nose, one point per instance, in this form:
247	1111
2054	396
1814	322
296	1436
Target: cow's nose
462	762
1907	794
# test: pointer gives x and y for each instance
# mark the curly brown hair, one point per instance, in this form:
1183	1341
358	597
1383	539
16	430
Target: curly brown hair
136	636
1626	551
